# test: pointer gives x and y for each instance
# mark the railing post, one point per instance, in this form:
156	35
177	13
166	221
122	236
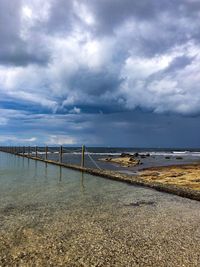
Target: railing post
61	154
83	156
46	150
36	154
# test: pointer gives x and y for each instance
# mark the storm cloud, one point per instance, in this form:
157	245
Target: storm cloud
79	58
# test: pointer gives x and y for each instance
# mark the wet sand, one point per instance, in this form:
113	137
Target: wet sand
57	217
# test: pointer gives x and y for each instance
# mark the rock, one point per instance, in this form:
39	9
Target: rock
140	203
196	180
125	160
167	157
179	158
123	155
136	155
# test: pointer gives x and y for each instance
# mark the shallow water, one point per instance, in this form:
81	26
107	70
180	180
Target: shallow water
52	216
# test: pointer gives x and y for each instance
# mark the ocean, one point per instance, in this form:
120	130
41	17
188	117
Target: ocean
157	157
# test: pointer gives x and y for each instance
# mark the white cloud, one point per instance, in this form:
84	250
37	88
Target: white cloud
75	110
26	84
32	14
27	12
150	84
83	12
3	121
61	140
10	139
141	68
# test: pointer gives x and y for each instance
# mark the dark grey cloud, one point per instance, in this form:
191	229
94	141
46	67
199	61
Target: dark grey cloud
95	83
61	17
14	50
133	128
159	24
111	14
179	63
18	56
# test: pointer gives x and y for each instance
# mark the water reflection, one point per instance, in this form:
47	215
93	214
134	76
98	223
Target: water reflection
82	182
45	170
35	170
60	174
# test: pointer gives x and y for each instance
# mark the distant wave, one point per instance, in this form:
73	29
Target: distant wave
118	153
180	152
152	153
175	153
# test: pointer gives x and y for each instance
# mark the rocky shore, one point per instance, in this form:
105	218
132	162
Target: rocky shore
126	159
183	176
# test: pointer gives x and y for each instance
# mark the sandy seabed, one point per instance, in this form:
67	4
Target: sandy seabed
159	230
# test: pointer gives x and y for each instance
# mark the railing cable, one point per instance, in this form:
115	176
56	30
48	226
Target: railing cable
94	162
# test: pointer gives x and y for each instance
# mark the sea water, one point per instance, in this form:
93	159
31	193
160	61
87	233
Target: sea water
93	156
52	216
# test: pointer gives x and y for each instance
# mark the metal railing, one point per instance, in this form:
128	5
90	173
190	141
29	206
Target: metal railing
46	153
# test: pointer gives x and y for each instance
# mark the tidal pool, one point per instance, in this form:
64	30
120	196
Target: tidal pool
52	216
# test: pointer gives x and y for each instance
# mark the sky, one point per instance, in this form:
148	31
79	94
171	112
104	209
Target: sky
100	73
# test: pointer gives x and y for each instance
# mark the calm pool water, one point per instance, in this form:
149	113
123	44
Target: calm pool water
52	216
25	181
